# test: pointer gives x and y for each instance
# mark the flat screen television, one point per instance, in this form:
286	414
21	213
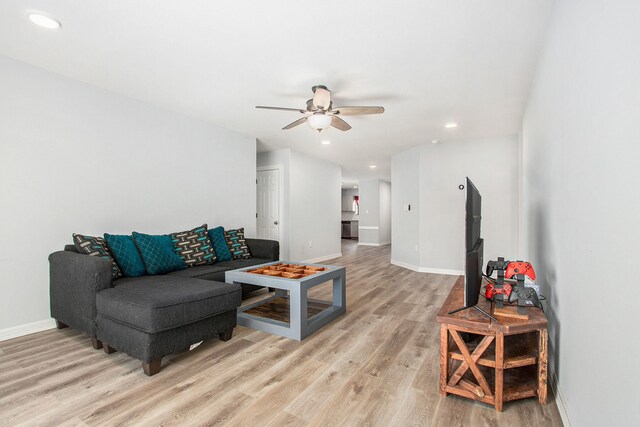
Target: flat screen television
474	249
474	245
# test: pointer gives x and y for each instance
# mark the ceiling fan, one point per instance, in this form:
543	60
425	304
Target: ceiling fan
320	113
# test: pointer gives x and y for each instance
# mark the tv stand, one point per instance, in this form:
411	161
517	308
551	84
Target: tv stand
477	308
499	362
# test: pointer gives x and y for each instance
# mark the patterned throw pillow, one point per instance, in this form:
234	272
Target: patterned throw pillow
216	235
157	253
237	244
126	254
96	246
194	246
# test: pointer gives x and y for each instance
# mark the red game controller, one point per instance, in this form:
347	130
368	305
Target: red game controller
520	267
491	291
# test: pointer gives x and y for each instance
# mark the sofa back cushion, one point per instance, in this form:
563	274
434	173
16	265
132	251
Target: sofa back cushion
126	254
96	246
216	235
158	253
194	246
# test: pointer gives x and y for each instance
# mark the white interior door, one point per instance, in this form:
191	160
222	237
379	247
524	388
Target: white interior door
268	204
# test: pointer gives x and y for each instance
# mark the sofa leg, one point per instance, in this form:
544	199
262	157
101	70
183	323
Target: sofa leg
226	334
152	367
61	325
108	349
96	343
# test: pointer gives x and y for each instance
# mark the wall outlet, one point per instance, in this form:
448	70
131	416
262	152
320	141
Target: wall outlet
310	243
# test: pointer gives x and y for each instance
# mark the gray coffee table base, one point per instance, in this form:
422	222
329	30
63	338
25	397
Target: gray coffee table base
299	327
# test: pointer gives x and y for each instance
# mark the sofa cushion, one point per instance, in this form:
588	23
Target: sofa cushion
160	303
96	246
126	254
237	244
157	253
216	271
216	235
194	246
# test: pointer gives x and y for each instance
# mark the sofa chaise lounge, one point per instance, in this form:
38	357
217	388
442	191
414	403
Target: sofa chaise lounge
149	317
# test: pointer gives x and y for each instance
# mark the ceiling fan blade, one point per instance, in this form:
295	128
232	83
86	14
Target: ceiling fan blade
357	111
294	124
321	98
281	108
338	123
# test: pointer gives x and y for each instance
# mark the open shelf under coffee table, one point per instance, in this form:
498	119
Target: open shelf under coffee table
290	302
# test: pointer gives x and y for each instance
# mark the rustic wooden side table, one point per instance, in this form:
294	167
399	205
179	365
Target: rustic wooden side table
498	362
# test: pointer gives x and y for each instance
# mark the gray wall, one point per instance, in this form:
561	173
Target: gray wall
405	225
582	204
315	208
312	205
385	213
430	237
369	193
74	158
375	212
492	166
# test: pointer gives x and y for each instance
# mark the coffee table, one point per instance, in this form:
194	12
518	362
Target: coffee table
305	315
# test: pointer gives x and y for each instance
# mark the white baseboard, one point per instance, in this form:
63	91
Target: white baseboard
26	329
560	402
323	258
427	269
373	244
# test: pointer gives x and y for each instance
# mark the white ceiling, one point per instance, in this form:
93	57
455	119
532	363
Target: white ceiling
426	61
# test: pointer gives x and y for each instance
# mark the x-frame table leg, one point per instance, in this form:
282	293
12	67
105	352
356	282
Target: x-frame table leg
471	361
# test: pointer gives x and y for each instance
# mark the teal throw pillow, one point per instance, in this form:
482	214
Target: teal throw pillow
126	254
216	235
157	253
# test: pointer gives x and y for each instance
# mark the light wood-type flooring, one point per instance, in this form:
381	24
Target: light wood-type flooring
376	365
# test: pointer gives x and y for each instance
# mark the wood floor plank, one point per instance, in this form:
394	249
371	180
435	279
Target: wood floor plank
377	365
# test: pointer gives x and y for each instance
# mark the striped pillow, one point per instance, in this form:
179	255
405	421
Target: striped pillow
237	244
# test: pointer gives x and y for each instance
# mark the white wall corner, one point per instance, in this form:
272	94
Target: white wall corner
427	269
559	397
26	329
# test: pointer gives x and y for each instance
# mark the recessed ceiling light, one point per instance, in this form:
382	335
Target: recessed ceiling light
435	141
44	21
451	125
372	166
355	186
326	142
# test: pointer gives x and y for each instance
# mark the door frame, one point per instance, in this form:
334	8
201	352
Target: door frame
280	169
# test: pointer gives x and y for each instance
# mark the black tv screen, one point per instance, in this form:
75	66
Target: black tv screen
473	216
473	274
474	246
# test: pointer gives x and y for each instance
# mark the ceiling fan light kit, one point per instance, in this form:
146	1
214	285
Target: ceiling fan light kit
320	114
319	121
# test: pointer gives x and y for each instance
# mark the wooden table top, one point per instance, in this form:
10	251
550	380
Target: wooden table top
473	319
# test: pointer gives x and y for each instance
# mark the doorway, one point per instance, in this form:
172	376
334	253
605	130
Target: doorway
269	203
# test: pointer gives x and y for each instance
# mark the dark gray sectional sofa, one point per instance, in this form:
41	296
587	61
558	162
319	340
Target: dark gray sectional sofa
149	317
